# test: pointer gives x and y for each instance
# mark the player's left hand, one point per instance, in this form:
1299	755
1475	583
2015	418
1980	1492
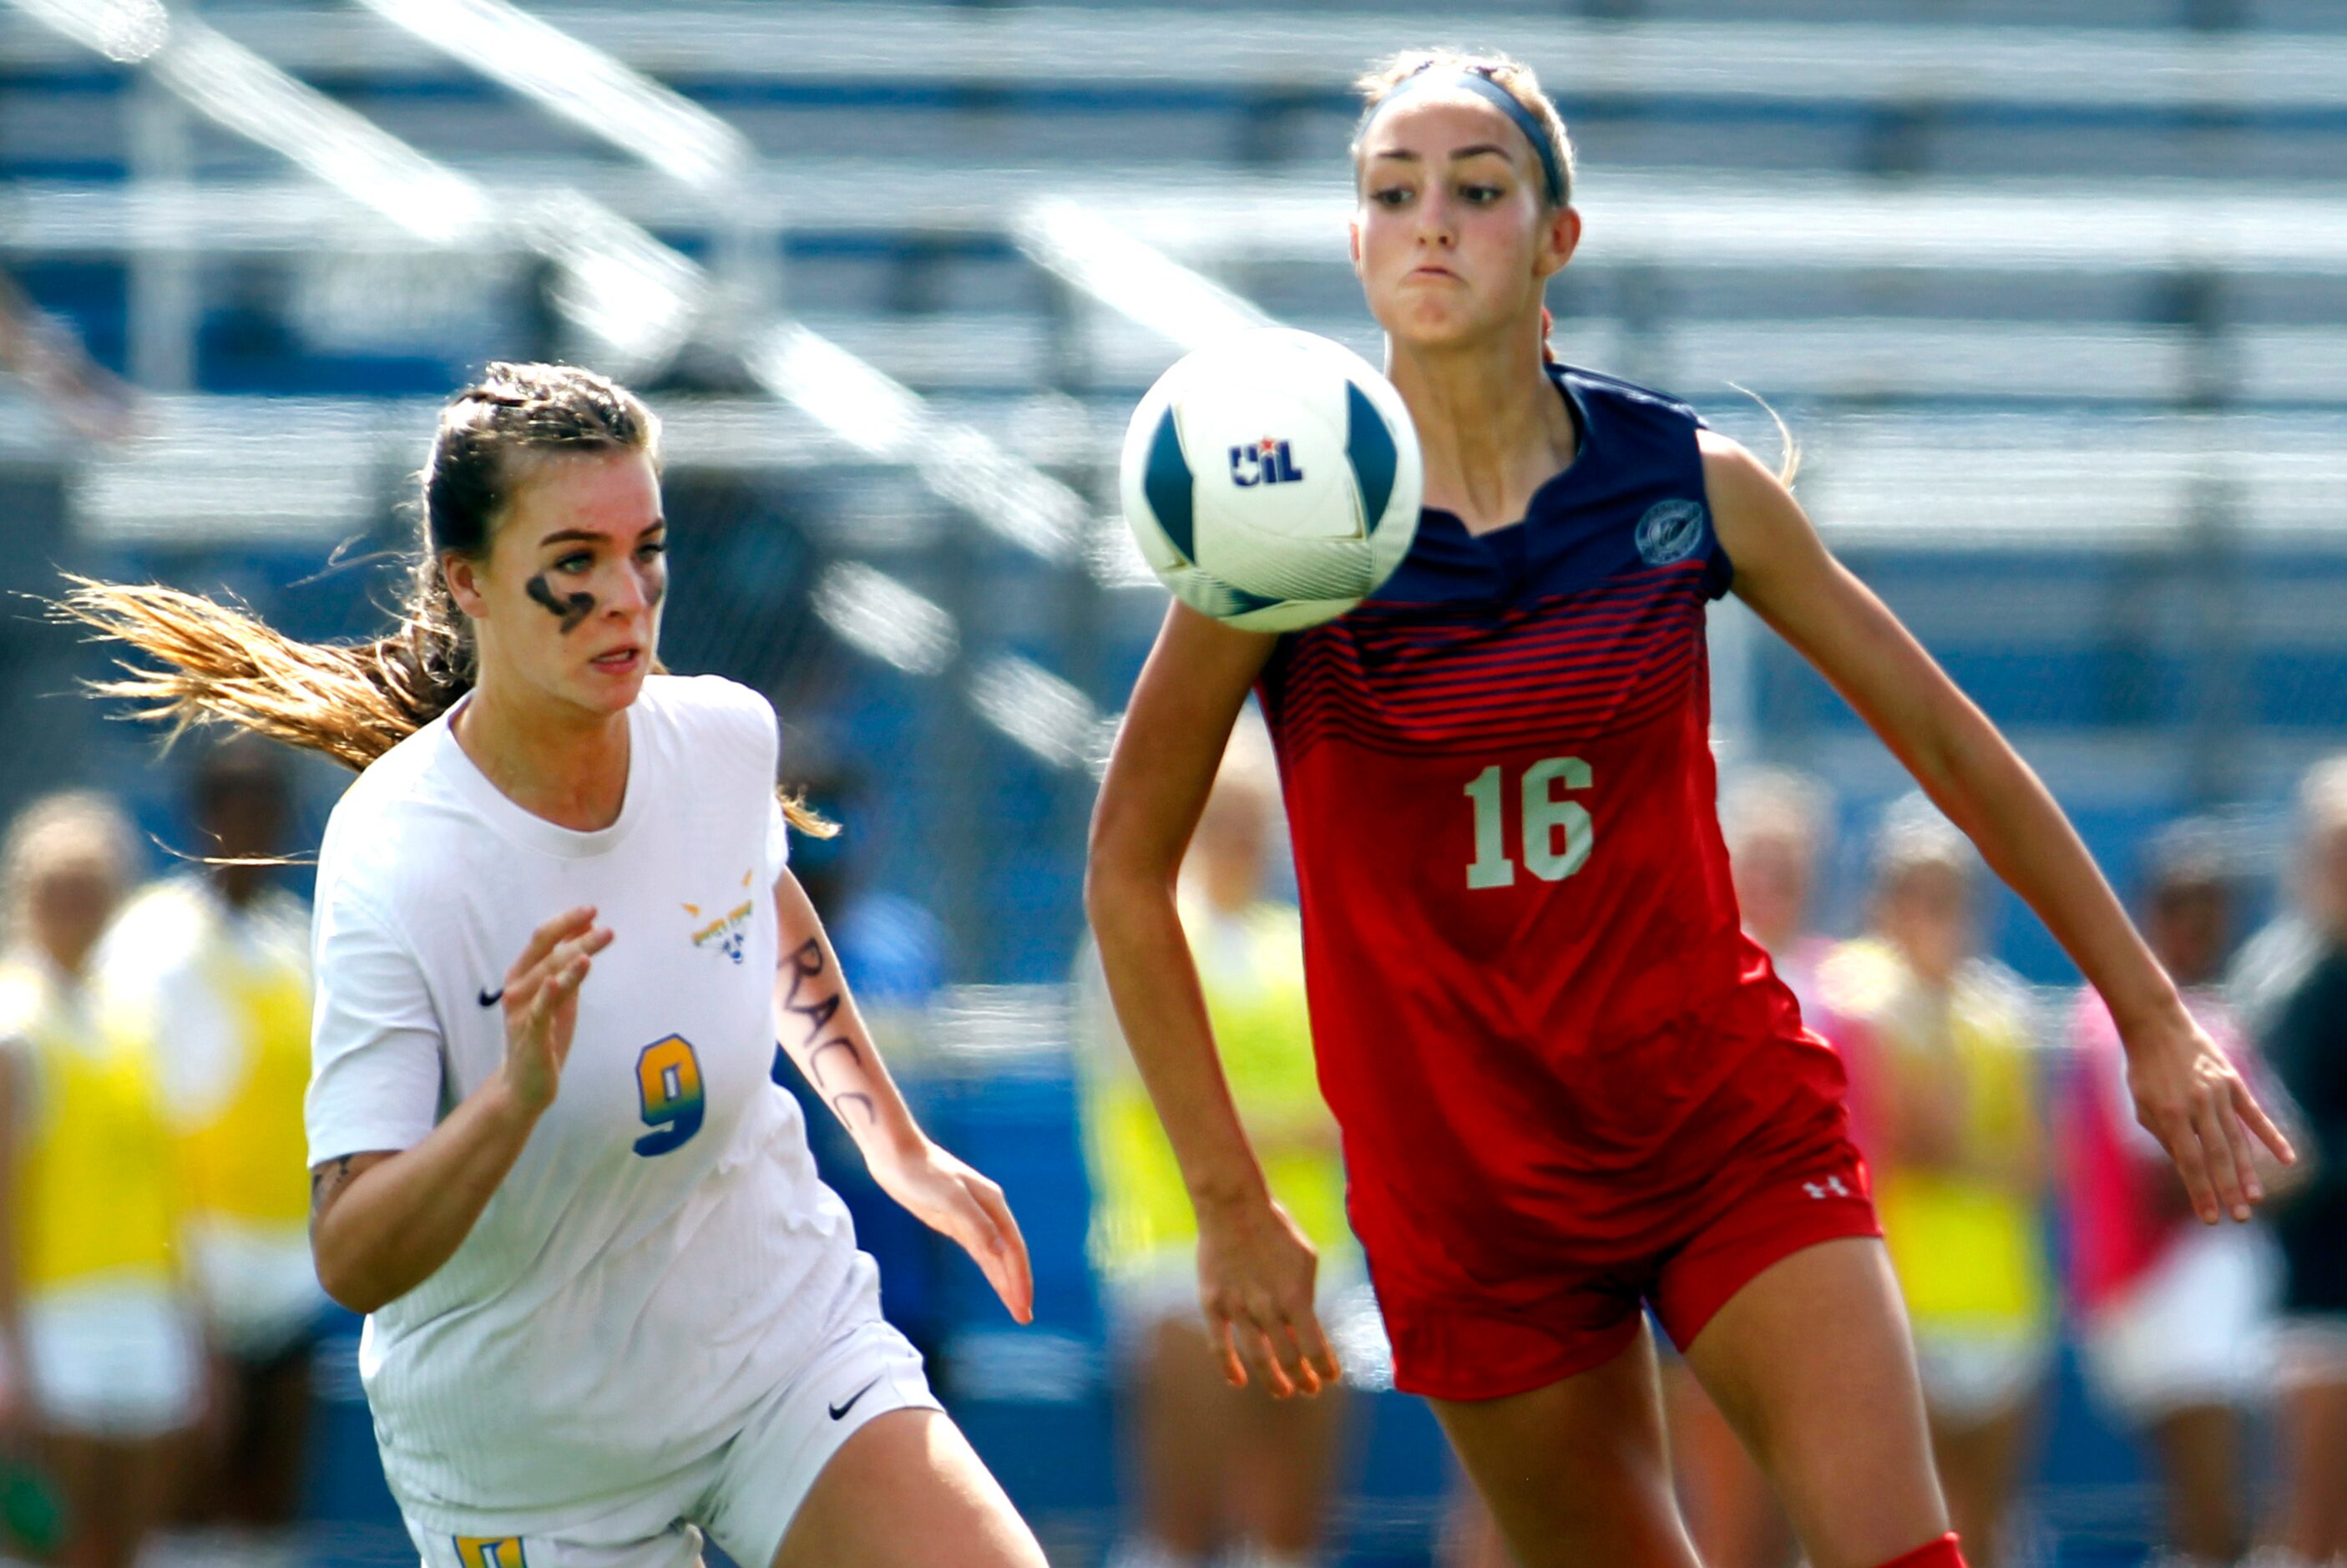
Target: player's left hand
950	1198
2191	1097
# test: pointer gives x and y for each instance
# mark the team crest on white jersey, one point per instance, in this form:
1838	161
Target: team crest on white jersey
728	932
1670	531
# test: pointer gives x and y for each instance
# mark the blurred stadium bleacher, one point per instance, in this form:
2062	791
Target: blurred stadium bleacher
2057	313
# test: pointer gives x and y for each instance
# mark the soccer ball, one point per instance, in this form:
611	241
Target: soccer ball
1272	479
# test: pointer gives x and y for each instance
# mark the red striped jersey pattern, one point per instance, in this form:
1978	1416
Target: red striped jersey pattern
1563	668
1537	1020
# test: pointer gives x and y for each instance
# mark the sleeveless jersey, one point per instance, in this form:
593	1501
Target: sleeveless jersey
95	1197
1538	1023
224	994
1968	1251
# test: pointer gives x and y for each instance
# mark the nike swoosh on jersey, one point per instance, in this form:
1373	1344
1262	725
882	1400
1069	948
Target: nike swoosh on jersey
839	1410
489	999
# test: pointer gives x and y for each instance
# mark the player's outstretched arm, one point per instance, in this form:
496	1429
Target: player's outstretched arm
824	1036
1254	1267
2186	1090
382	1223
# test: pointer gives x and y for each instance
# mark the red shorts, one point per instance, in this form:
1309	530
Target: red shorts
1465	1346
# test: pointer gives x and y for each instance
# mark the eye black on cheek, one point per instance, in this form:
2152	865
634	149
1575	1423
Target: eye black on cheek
571	611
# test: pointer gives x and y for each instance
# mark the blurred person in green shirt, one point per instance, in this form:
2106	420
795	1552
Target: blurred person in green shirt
1227	1474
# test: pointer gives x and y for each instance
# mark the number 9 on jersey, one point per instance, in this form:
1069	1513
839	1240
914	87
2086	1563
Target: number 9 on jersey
667	1082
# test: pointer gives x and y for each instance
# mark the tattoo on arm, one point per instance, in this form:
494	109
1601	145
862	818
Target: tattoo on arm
326	1181
804	964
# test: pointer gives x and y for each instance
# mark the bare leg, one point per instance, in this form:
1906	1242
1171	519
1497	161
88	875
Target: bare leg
199	1478
1812	1364
908	1492
265	1481
1979	1465
2314	1522
1575	1473
1280	1471
114	1495
1187	1418
1735	1519
2200	1459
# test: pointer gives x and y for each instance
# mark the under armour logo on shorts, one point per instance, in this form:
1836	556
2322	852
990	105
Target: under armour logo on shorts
1830	1187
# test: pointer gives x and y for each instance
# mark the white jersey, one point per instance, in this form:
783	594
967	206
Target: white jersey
662	1256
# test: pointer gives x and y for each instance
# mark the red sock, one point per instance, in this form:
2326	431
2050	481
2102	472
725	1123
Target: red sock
1940	1553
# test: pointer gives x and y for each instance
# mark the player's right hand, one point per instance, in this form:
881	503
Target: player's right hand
1256	1273
541	1003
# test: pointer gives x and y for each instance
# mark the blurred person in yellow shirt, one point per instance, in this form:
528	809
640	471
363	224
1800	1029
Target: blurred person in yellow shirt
1944	1103
103	1366
216	961
1223	1470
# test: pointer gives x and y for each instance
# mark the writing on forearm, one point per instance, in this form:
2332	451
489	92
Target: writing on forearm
326	1181
809	972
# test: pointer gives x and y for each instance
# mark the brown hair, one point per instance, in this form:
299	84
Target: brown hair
1515	78
355	701
1508	74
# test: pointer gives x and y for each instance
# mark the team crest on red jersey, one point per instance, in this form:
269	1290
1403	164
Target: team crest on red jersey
1670	531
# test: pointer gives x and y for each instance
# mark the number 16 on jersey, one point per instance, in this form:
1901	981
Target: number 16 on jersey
1557	832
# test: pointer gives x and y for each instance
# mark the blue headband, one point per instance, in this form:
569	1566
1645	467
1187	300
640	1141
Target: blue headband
1500	98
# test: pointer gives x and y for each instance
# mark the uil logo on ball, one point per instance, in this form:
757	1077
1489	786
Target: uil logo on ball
1269	461
1670	531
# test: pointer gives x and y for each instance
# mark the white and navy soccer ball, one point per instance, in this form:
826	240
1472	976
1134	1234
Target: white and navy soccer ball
1272	479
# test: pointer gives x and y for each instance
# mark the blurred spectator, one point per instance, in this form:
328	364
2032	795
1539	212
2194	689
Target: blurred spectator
2308	1049
2271	963
216	960
91	400
2172	1310
1223	1469
1943	1100
1776	822
91	1310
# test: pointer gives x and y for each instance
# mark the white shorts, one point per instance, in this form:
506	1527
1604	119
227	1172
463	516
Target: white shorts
1973	1375
260	1287
2190	1332
745	1494
112	1360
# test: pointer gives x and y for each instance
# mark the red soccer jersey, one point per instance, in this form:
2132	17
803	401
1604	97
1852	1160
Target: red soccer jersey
1537	1019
